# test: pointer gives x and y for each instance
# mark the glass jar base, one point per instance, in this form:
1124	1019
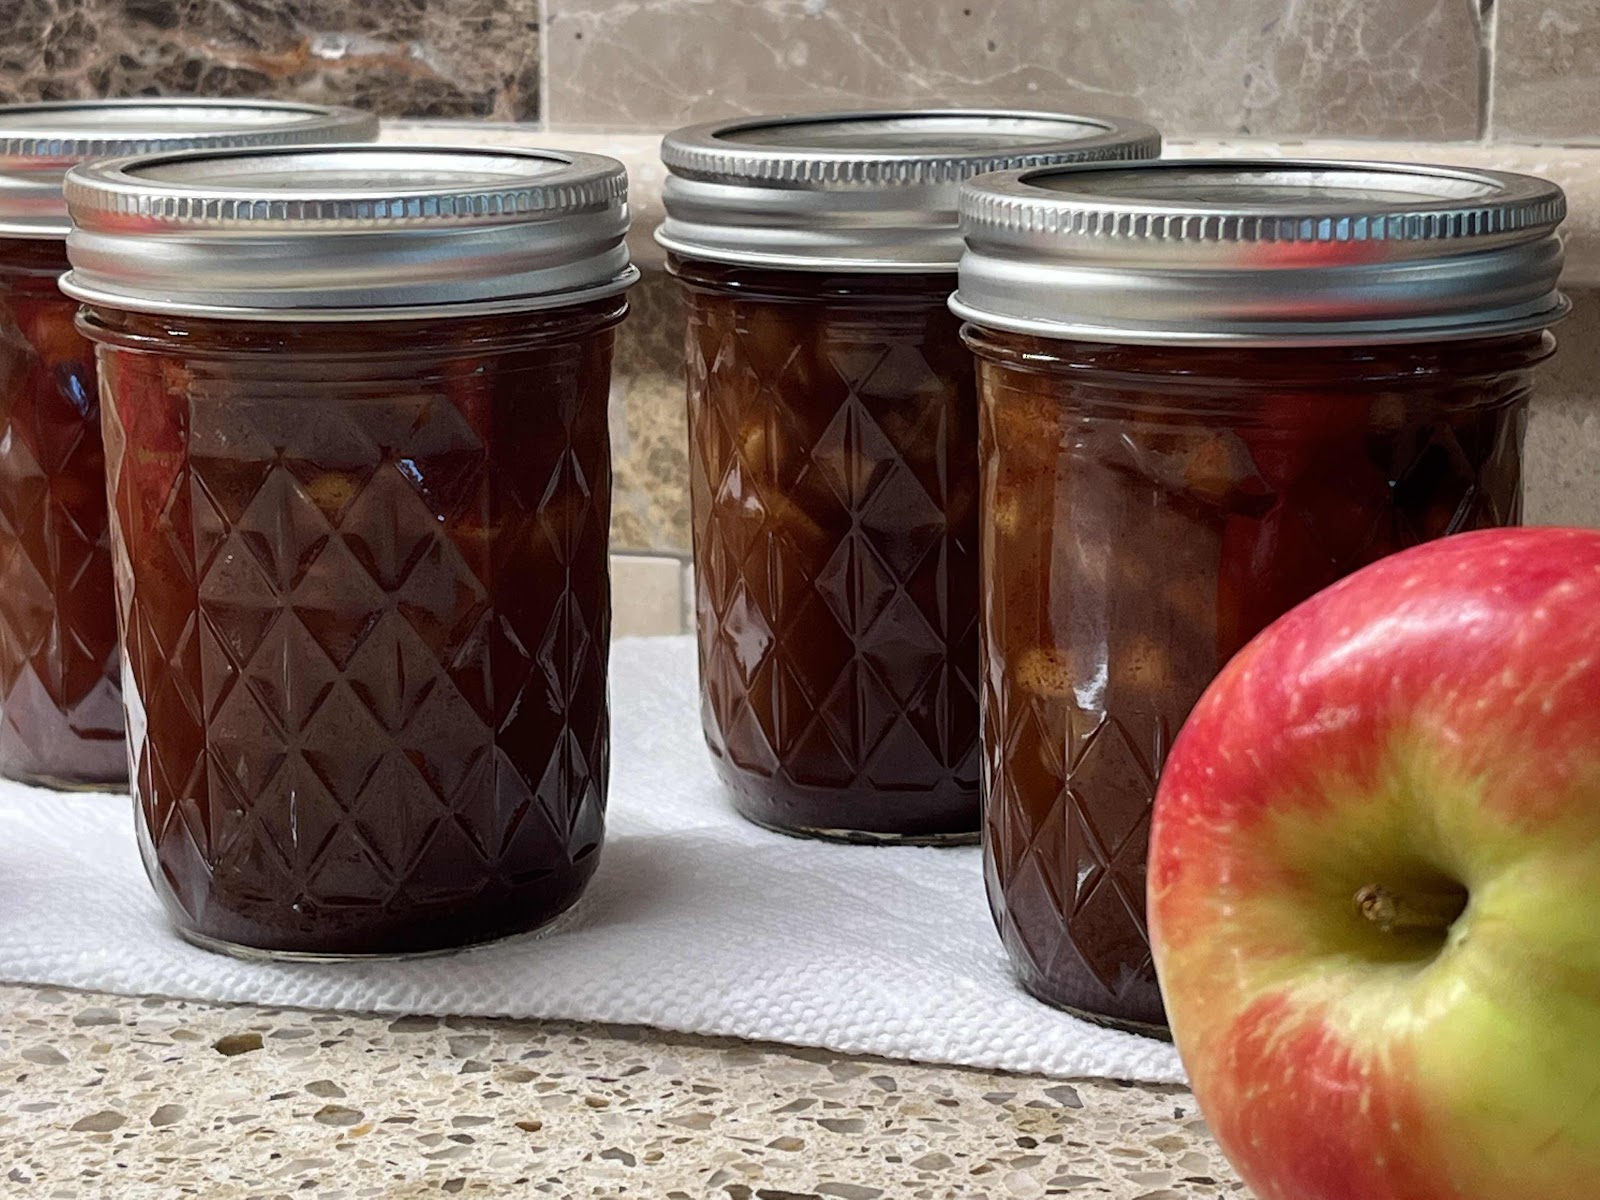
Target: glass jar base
262	954
1148	1029
863	816
55	783
861	837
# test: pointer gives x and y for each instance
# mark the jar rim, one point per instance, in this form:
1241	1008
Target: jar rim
1261	252
867	190
40	141
348	231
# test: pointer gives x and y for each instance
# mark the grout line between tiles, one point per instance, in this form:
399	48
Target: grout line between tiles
543	8
1488	39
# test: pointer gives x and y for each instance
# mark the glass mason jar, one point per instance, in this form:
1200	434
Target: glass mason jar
1186	432
60	708
360	532
833	455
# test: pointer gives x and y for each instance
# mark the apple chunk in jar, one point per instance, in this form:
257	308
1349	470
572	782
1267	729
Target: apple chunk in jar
1159	492
361	548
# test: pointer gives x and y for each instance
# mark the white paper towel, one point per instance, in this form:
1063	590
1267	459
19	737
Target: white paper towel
696	921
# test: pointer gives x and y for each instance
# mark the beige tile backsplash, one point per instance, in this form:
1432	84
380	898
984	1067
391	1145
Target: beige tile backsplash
1562	466
1547	70
650	595
1371	68
1417	69
649	433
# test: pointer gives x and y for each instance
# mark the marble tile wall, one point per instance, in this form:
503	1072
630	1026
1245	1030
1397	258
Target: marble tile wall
1371	68
1415	69
649	434
1546	83
441	58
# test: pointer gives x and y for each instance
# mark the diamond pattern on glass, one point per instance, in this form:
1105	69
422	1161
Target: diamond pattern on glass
367	634
1088	680
60	708
832	482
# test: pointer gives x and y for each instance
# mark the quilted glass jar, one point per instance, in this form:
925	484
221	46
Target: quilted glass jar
833	455
1170	461
361	535
60	677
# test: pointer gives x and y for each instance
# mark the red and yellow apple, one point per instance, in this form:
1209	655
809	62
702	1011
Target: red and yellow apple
1374	887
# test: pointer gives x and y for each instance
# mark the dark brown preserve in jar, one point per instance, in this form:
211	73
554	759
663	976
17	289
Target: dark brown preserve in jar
1208	390
61	721
60	675
361	559
833	487
365	587
1150	510
833	455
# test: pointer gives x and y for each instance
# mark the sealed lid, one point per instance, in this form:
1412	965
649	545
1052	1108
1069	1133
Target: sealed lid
1261	252
865	191
348	232
38	142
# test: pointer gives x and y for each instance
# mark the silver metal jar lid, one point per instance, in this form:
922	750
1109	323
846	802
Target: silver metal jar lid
38	142
859	191
348	232
1261	252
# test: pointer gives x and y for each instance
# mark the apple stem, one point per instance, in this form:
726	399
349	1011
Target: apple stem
1433	912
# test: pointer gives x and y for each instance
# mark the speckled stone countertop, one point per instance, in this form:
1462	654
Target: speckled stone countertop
106	1097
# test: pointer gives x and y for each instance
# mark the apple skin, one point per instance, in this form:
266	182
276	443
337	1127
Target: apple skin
1429	724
